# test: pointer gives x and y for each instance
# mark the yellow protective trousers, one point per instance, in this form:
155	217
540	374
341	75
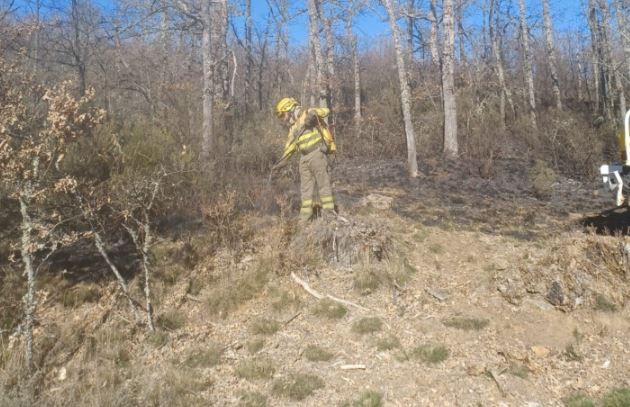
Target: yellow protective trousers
315	185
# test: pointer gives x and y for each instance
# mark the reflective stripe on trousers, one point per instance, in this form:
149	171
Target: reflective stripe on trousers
315	179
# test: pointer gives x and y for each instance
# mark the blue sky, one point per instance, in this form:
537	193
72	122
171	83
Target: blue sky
566	14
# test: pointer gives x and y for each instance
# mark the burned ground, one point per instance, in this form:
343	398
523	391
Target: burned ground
483	294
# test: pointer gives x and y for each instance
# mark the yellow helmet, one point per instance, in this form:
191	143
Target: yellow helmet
285	105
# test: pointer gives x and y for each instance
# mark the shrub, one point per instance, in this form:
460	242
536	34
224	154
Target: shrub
466	324
367	398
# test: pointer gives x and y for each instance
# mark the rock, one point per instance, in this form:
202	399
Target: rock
63	374
555	295
540	351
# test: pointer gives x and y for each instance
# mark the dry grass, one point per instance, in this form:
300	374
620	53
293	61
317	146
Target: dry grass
367	280
79	295
264	326
259	368
229	295
541	178
368	398
157	338
327	308
206	356
367	325
297	387
314	353
466	324
286	300
430	354
171	320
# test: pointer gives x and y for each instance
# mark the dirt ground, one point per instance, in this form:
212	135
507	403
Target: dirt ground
518	290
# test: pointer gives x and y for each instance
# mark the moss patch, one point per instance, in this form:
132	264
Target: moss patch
316	354
327	308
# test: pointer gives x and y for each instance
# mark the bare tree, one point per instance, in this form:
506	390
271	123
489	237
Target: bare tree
527	64
609	60
506	93
598	74
622	9
448	82
356	73
405	92
551	56
317	58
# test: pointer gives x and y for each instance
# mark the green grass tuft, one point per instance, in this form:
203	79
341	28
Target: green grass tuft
257	368
329	309
518	370
252	399
579	400
603	304
316	354
297	387
430	353
255	345
367	325
368	398
466	324
617	398
388	343
286	300
366	281
264	326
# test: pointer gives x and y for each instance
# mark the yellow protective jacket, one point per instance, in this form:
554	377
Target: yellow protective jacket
307	132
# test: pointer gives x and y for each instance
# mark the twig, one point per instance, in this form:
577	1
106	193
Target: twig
292	318
353	367
318	295
493	376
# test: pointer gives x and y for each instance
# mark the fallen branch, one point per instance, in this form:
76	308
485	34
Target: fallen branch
318	295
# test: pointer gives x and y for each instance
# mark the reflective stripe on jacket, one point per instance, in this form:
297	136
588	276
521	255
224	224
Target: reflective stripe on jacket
303	134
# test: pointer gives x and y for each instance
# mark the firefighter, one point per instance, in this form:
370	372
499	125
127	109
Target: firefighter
309	135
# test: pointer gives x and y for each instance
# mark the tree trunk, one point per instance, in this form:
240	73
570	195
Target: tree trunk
448	82
330	69
98	242
27	259
352	40
316	48
551	56
435	54
405	93
622	8
527	65
207	141
248	53
595	60
610	62
496	51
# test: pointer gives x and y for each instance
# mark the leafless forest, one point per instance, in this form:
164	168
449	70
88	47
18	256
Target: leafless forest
148	258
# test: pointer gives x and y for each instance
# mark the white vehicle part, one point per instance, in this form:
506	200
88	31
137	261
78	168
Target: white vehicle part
611	175
627	136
